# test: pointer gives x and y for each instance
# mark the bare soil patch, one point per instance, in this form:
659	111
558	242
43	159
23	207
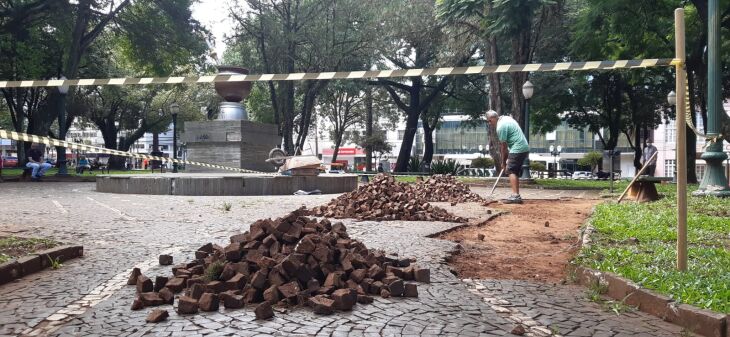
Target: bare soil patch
533	241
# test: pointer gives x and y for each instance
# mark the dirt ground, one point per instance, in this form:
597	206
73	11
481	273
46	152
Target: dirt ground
533	241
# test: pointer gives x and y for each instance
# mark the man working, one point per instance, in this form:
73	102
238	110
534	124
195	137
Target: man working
647	160
513	141
35	161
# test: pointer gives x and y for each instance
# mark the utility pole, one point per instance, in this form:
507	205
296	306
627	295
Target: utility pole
714	182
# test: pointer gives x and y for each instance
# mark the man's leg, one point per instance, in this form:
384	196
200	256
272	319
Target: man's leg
43	168
514	183
514	166
35	168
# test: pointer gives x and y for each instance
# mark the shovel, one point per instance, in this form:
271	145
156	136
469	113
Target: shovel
496	182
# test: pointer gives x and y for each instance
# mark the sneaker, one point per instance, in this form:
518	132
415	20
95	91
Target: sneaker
513	199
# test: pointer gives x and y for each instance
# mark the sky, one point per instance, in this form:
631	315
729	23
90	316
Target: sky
213	14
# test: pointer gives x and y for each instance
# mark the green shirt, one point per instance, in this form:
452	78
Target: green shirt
509	131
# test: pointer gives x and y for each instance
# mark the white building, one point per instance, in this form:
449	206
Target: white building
93	137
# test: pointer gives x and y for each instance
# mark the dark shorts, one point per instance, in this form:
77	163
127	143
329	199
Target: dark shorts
514	162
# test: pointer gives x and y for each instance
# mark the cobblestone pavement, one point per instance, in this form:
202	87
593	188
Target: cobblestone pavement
564	310
88	296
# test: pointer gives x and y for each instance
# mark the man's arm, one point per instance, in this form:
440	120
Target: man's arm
503	152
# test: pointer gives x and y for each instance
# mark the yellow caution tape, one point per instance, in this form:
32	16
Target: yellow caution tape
24	137
445	71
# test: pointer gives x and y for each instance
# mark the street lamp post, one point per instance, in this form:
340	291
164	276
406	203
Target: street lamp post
527	91
555	152
714	182
174	109
62	128
672	98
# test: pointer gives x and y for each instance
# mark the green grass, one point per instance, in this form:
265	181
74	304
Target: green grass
15	172
412	179
651	260
13	247
407	179
581	184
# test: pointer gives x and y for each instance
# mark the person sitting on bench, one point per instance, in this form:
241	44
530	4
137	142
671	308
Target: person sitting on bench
36	163
83	165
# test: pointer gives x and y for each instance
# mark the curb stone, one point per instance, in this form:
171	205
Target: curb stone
26	265
700	321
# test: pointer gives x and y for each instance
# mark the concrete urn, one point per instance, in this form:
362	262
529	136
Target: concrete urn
233	91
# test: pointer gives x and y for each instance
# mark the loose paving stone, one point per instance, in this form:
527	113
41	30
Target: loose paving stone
165	259
157	316
209	302
187	305
144	284
264	311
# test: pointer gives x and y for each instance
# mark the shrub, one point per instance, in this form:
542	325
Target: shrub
213	272
591	159
446	167
537	166
482	162
414	164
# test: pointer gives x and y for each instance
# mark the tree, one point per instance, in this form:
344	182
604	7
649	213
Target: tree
520	22
377	142
62	38
341	105
592	159
602	29
302	36
511	32
415	44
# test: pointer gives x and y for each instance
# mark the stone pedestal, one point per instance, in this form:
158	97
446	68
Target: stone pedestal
235	143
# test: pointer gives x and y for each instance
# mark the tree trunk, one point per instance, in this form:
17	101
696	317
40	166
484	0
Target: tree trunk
368	128
310	98
520	55
287	114
338	142
405	148
155	142
495	90
637	149
428	140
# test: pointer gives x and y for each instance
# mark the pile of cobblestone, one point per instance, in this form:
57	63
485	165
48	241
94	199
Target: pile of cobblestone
385	199
446	188
293	260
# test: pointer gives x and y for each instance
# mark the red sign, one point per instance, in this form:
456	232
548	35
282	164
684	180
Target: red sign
344	151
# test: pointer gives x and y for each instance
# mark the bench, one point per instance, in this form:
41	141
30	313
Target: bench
643	190
103	164
27	172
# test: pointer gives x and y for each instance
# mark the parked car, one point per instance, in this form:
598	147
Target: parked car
582	175
10	161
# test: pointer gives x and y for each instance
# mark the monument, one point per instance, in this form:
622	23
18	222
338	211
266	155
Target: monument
231	140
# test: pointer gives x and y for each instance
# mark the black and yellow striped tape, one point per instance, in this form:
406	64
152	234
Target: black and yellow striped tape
24	137
446	71
689	119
